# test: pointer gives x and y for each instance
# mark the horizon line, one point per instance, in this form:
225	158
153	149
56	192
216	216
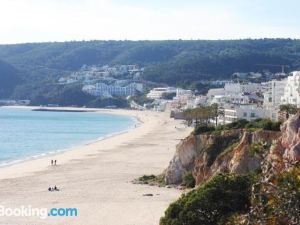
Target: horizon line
151	40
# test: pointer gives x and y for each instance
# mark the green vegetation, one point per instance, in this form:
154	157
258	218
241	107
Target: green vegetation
288	109
277	201
264	124
203	128
183	63
258	148
219	145
212	203
203	114
151	180
141	99
9	79
188	180
227	151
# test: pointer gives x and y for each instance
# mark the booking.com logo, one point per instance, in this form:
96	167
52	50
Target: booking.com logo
42	213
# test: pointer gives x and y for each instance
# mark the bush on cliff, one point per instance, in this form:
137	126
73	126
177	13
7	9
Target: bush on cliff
203	128
212	203
188	180
265	124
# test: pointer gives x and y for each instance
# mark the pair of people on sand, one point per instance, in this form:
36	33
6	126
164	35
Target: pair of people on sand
53	163
53	189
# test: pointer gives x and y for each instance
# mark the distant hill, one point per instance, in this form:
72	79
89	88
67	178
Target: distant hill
170	62
9	79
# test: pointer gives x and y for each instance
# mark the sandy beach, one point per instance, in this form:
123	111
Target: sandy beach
96	178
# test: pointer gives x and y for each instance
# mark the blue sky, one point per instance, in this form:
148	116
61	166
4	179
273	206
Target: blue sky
65	20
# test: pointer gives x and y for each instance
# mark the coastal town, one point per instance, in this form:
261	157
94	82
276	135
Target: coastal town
237	98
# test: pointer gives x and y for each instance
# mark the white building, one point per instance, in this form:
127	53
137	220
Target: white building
104	90
235	93
292	90
237	88
248	112
214	92
272	97
158	93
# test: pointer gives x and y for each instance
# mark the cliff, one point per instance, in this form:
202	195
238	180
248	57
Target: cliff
235	151
231	193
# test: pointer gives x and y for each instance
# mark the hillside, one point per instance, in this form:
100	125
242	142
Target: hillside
9	78
171	62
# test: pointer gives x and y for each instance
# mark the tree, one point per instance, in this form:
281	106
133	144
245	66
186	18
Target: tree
288	109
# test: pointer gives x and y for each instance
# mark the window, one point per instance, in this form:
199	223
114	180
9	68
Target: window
244	114
252	114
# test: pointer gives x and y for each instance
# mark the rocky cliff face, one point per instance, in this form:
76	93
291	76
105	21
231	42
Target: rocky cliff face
285	152
234	151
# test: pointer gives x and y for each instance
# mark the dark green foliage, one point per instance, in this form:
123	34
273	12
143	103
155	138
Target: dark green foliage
9	78
141	99
203	128
108	102
151	180
219	145
239	124
288	109
212	203
265	124
202	114
188	180
171	62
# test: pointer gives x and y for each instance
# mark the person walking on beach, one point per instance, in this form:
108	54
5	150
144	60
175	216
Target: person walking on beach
55	162
51	162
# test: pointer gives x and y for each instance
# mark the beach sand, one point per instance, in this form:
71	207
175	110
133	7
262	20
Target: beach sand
96	178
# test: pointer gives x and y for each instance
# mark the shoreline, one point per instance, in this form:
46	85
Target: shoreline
76	147
97	178
56	152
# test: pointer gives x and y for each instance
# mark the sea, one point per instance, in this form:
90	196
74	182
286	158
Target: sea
27	134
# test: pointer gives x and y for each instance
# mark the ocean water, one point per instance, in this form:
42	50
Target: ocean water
26	134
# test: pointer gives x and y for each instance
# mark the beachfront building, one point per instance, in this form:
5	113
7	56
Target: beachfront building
248	112
104	90
291	93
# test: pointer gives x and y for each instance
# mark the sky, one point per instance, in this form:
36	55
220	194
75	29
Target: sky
23	21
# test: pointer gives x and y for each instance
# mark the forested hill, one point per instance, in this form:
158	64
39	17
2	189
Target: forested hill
9	79
171	62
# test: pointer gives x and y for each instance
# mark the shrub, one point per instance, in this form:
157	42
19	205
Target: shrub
265	124
212	203
258	147
151	180
239	124
188	180
203	128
